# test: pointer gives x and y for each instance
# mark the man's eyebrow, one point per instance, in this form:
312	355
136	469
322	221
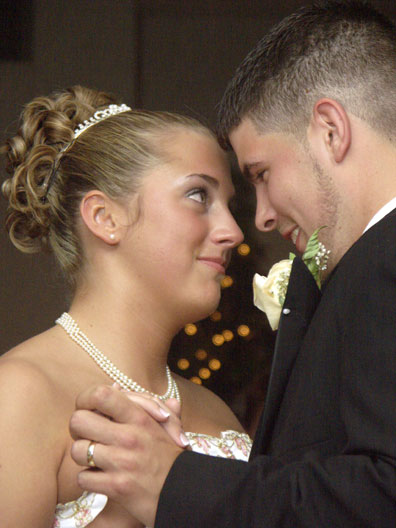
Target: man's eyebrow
206	177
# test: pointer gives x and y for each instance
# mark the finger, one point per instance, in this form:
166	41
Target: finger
111	402
79	452
93	426
133	480
96	481
97	397
119	487
174	429
172	425
105	458
154	406
175	406
90	426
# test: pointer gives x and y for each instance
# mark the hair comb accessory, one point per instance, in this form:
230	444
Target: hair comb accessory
48	184
100	115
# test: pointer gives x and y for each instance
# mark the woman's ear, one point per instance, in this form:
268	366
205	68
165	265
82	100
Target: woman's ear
331	125
99	214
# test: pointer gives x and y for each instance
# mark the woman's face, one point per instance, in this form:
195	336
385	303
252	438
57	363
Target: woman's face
179	248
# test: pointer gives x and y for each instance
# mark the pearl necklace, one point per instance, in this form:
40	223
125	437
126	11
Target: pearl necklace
71	328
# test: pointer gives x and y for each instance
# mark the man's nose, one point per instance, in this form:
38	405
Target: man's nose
266	216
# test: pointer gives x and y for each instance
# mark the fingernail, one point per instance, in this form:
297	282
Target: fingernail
184	440
164	413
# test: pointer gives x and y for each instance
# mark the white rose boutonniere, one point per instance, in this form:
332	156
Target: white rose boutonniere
269	293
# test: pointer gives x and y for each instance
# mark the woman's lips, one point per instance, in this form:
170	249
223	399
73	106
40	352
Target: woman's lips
215	263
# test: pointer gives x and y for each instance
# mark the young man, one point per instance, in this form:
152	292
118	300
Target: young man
311	116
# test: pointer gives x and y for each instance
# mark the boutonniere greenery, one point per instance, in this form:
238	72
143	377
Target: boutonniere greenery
269	292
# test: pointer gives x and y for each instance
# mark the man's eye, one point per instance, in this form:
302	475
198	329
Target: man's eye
261	176
199	195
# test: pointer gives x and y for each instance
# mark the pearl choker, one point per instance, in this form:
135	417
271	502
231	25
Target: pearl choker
71	328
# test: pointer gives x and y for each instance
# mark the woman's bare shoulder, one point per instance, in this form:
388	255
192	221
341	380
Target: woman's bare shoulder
26	373
32	439
202	409
32	403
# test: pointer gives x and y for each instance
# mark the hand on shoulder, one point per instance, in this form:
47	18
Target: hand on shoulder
131	448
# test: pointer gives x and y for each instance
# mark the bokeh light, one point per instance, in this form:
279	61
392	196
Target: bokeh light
227	281
204	373
244	250
201	354
243	330
214	364
190	329
228	335
183	364
218	339
215	316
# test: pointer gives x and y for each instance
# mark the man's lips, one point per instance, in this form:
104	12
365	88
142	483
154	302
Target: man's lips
294	236
219	264
291	235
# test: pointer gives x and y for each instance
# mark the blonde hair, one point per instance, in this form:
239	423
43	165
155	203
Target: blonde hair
51	171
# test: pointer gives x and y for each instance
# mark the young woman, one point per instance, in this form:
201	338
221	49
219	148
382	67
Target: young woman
134	206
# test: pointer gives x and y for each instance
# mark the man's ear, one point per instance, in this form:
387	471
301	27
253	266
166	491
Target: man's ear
330	123
99	214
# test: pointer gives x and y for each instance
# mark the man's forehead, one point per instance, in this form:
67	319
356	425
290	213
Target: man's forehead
248	144
245	126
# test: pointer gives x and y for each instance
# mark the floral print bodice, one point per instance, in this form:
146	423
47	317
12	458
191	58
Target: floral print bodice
81	512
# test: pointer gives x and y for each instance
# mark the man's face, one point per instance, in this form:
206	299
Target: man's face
293	194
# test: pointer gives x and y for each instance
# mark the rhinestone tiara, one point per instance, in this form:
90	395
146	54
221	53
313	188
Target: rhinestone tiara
100	115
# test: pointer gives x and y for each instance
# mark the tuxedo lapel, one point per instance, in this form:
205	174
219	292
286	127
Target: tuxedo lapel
301	301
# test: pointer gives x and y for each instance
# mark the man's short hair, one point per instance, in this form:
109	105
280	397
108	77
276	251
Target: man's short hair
345	50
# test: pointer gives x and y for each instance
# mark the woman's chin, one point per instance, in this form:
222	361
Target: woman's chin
204	309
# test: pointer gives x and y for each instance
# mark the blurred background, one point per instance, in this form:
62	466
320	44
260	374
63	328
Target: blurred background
171	55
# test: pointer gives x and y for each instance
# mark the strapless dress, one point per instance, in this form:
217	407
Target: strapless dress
81	512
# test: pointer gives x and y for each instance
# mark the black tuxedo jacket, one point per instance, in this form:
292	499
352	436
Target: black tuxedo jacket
325	451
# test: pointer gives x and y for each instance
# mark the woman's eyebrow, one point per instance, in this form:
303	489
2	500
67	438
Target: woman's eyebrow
206	177
212	181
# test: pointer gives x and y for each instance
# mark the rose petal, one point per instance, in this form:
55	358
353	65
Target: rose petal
265	301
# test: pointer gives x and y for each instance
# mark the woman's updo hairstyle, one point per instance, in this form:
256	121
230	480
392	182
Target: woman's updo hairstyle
51	170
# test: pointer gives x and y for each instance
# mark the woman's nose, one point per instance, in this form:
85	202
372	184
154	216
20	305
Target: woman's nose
228	233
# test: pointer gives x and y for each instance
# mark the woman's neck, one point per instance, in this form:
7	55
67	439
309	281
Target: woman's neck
129	334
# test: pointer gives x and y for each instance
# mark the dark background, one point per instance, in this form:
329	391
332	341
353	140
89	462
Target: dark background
168	55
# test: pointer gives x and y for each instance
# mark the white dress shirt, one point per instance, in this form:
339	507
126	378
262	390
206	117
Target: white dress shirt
379	215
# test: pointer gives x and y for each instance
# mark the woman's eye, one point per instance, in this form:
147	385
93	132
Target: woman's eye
198	195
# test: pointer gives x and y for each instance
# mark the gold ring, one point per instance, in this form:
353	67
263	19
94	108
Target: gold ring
90	454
